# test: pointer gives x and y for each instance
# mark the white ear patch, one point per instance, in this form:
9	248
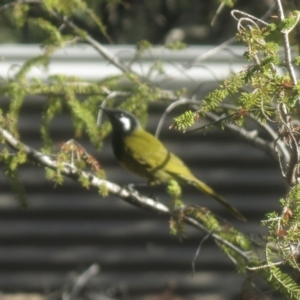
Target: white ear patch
126	122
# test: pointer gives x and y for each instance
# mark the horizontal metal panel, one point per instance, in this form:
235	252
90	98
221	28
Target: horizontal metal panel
66	228
85	62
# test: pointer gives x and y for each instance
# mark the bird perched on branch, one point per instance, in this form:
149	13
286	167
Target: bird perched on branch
140	152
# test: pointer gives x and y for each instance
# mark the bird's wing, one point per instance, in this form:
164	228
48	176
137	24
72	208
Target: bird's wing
144	149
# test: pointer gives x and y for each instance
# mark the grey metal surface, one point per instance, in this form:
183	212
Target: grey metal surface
66	228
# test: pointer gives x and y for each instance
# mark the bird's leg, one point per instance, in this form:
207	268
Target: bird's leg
132	187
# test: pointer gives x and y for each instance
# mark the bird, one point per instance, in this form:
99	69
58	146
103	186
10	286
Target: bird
141	153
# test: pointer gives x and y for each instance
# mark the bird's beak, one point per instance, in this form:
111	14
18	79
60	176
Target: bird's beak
99	117
107	112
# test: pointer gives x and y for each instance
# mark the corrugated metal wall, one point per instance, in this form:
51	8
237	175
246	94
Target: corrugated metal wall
66	228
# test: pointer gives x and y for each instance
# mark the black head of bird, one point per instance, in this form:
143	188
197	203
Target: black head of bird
142	153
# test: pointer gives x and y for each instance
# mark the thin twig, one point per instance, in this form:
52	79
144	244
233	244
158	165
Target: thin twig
248	136
217	13
197	253
80	282
220	120
292	166
287	50
181	101
283	150
248	16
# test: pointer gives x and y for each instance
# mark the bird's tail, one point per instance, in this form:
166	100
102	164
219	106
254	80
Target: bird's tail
210	192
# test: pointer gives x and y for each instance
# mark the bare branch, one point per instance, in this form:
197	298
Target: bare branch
129	195
234	12
250	136
280	144
287	49
291	157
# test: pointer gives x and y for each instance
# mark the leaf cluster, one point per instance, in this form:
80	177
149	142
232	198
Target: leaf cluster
65	94
282	247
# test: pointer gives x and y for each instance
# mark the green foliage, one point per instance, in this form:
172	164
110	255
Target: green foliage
281	281
184	121
53	108
177	45
289	23
20	14
264	85
177	224
157	67
258	90
53	37
174	190
83	118
55	175
65	7
142	94
81	99
17	98
229	3
98	22
143	45
226	233
40	60
282	245
103	190
12	162
230	87
297	61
